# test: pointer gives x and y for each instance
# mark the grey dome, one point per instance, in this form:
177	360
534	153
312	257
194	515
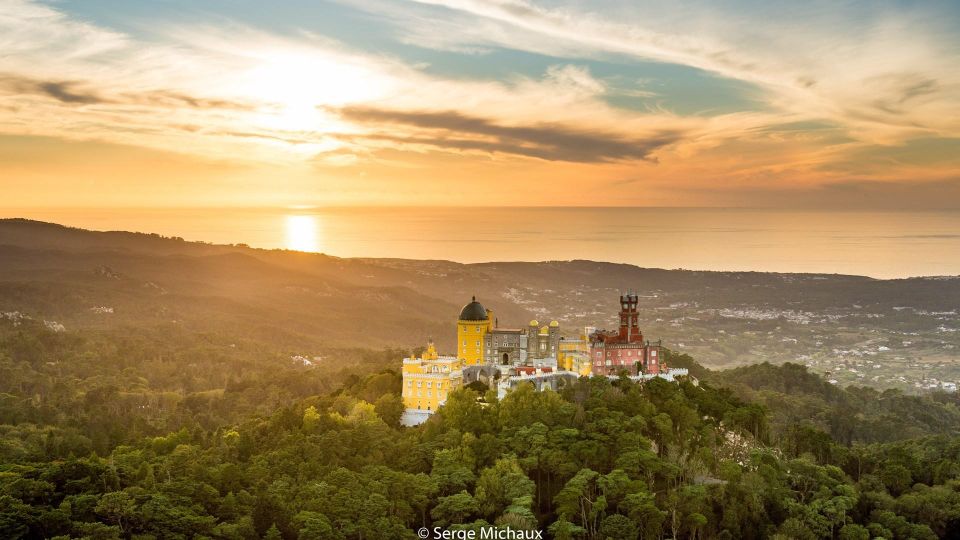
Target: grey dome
474	311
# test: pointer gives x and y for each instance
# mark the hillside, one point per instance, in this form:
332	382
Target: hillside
153	388
883	333
599	460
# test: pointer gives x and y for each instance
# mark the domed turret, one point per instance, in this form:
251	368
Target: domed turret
554	324
474	311
534	323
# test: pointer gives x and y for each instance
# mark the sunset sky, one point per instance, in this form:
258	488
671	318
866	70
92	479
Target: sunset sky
480	102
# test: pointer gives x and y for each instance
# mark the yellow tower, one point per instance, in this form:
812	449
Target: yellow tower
472	328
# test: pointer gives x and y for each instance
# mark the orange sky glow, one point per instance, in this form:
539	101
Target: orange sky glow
461	102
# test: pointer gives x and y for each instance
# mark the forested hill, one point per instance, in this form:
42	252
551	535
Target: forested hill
598	460
852	415
313	302
160	431
206	403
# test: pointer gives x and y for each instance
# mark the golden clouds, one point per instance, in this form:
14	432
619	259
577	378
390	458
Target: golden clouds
250	115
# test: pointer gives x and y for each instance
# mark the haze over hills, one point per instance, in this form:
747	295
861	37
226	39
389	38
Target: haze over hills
884	333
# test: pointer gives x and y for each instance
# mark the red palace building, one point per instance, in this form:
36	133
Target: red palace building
625	350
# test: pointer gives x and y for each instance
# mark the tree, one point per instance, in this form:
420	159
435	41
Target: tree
896	477
562	529
449	472
518	515
642	509
311	418
500	485
116	507
315	526
581	499
695	523
390	408
454	509
852	531
273	533
464	413
617	527
524	406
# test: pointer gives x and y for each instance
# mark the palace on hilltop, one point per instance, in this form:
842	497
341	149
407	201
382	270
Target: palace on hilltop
503	358
481	340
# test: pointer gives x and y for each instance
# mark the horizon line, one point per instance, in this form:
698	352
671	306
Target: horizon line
305	208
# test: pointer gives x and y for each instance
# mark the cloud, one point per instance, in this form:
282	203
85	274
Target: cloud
554	142
859	66
81	93
177	99
66	92
897	92
834	103
251	94
63	91
80	81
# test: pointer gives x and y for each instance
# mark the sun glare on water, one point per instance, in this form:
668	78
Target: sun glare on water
301	233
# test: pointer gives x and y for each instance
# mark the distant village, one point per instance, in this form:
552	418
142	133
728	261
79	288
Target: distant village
502	358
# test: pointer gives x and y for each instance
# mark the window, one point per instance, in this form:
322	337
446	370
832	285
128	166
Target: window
439	385
429	384
409	383
419	393
478	329
429	393
653	352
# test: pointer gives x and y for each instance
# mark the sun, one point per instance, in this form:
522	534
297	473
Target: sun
301	86
302	233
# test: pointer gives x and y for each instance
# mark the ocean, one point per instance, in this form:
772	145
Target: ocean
877	244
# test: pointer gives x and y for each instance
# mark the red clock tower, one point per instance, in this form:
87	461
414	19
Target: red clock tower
629	323
625	350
